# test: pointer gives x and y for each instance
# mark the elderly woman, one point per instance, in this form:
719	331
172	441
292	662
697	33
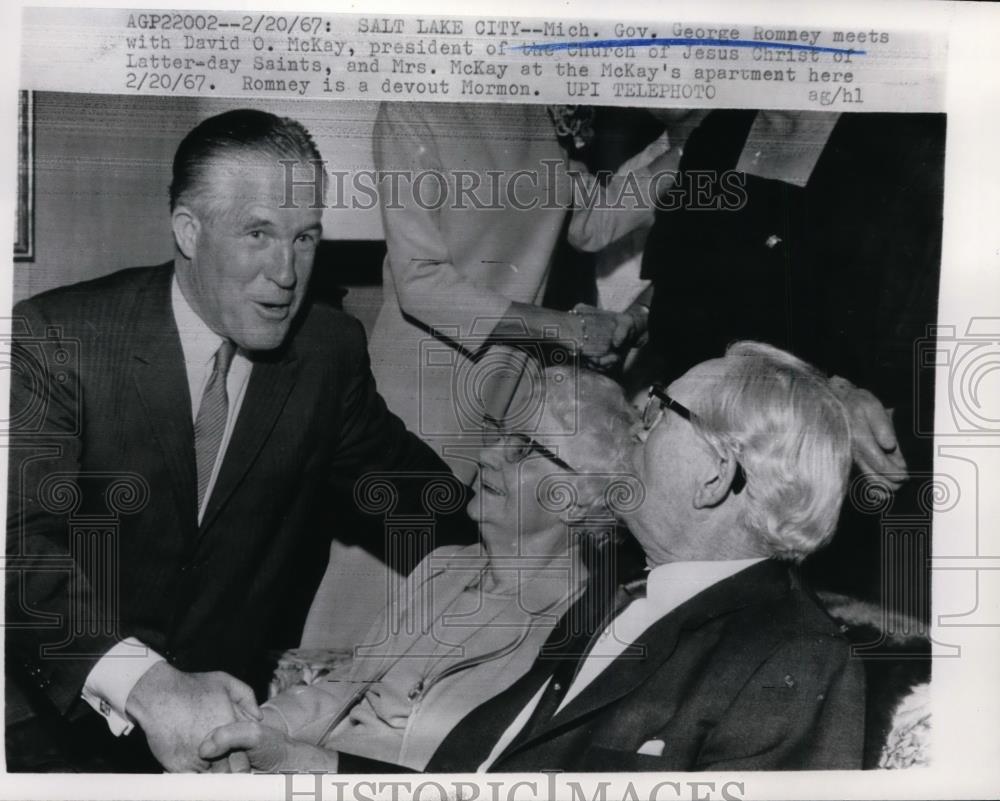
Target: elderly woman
471	619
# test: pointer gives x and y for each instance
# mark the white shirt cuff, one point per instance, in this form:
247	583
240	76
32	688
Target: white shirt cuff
111	680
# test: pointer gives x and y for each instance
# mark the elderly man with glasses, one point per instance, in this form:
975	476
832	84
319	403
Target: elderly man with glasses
718	658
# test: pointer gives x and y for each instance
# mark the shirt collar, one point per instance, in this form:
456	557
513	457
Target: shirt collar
198	341
671	584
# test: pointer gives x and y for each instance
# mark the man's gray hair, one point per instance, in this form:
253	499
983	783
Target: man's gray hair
792	436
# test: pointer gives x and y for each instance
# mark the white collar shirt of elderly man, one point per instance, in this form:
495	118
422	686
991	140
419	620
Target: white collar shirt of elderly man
690	512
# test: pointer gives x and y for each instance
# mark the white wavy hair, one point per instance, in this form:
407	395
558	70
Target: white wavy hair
792	436
595	408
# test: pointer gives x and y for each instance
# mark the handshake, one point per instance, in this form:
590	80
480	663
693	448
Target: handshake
605	337
210	722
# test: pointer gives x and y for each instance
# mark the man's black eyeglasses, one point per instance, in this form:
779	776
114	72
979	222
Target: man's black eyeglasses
659	400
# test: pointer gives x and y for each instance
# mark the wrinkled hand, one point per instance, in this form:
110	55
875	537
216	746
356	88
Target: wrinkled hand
267	749
633	324
617	332
596	331
873	436
176	710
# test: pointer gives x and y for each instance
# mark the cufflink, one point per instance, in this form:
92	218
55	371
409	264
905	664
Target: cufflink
105	708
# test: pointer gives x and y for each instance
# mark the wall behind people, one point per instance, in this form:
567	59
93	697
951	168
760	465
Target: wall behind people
102	168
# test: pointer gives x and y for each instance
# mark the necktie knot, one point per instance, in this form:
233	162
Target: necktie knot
224	357
634	589
625	594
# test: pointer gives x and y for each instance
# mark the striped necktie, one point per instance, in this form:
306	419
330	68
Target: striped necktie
212	414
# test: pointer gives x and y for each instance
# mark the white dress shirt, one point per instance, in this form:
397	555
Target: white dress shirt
668	586
111	680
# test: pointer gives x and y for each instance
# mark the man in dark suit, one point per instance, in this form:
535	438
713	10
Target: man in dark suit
819	233
178	433
719	659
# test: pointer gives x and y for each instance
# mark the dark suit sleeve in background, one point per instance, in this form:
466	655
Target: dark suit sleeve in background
374	440
371	437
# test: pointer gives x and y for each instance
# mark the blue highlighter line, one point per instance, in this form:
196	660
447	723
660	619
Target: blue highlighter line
553	46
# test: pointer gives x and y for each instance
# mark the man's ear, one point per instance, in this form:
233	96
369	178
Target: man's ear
717	482
186	226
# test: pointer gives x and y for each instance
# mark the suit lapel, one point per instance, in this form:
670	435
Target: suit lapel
271	380
160	379
473	739
758	583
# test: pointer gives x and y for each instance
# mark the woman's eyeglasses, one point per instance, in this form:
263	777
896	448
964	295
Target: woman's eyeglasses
517	446
652	412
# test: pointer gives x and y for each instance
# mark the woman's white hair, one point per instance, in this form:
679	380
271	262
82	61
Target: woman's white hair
791	434
595	408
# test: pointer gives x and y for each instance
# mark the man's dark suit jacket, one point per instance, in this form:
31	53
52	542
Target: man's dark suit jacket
749	674
103	441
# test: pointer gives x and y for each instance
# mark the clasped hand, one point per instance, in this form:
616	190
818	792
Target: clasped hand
176	710
265	748
609	335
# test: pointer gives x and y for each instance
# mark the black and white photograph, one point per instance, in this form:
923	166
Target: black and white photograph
477	434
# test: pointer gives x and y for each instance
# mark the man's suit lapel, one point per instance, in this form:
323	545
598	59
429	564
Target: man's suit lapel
615	682
160	378
473	739
161	382
271	380
756	584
